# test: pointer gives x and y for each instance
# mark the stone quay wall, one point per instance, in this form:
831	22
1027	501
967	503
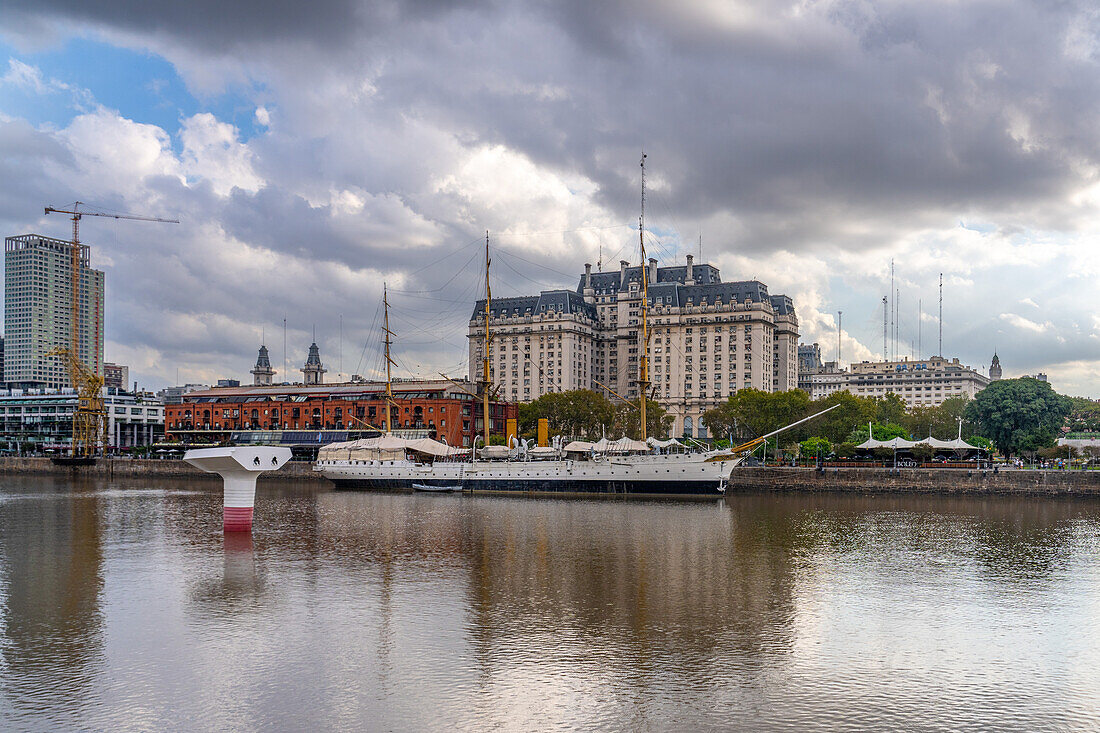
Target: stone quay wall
138	468
915	480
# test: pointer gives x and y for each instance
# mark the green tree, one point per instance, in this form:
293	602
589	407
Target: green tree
1019	415
889	409
846	450
923	452
979	442
1085	415
941	421
883	454
878	432
579	413
851	412
750	413
626	420
814	447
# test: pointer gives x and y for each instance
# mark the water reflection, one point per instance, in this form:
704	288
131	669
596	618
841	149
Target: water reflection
124	603
51	580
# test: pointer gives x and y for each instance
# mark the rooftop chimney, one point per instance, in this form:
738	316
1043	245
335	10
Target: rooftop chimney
652	271
690	276
622	271
588	274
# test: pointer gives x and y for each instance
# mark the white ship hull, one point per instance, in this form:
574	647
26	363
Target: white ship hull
676	474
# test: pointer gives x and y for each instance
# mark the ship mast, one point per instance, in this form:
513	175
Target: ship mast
488	340
389	361
643	367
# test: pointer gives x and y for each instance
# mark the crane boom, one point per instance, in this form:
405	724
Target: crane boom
90	415
52	210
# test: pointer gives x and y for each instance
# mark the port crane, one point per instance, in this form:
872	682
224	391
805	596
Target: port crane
90	415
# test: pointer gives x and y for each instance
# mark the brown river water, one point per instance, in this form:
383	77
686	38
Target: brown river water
123	607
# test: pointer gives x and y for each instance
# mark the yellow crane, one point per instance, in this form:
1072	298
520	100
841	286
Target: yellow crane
90	416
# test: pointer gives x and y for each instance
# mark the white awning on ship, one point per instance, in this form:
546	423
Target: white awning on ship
579	446
622	445
385	447
670	443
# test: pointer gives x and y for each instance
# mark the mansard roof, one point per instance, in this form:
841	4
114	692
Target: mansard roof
782	305
612	279
561	301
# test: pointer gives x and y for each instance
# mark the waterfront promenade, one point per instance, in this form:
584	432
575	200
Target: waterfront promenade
143	468
1027	482
742	480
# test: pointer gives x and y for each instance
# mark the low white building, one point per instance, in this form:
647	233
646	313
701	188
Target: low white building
45	418
919	383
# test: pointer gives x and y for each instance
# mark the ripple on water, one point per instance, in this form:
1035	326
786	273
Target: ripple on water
124	606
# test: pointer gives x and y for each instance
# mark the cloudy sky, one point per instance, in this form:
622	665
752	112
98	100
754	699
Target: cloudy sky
314	150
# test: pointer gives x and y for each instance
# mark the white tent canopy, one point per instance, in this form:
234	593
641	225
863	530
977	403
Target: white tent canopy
670	443
895	443
385	447
901	443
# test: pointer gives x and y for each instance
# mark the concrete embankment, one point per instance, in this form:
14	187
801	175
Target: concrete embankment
916	481
139	468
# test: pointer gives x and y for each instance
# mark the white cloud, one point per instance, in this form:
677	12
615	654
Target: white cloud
29	78
116	155
1021	322
213	153
25	76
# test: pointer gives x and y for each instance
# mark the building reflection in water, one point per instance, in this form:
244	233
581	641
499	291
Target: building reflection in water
51	582
391	611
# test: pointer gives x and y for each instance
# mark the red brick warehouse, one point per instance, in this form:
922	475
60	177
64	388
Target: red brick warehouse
439	407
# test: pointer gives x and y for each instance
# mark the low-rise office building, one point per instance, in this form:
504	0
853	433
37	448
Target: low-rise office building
919	383
41	419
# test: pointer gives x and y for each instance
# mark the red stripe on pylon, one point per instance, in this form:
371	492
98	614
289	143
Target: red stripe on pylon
237	518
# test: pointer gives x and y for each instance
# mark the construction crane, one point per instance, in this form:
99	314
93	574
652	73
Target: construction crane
90	416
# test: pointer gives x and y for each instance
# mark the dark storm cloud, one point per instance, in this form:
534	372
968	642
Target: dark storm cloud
800	126
225	26
792	122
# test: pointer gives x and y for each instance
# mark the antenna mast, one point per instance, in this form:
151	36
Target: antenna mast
941	316
893	307
920	317
839	328
884	309
389	361
488	340
643	367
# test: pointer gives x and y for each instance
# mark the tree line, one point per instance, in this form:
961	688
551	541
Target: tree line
1018	416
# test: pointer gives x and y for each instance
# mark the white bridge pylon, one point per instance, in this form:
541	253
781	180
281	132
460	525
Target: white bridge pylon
239	468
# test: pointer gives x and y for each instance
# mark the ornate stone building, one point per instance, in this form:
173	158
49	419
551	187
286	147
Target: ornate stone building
313	372
262	373
708	338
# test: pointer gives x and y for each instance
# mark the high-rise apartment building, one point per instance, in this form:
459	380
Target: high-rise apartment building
708	339
37	311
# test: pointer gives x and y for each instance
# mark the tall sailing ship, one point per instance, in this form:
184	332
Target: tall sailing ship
646	466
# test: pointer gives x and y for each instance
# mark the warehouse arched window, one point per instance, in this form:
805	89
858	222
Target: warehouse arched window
688	427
